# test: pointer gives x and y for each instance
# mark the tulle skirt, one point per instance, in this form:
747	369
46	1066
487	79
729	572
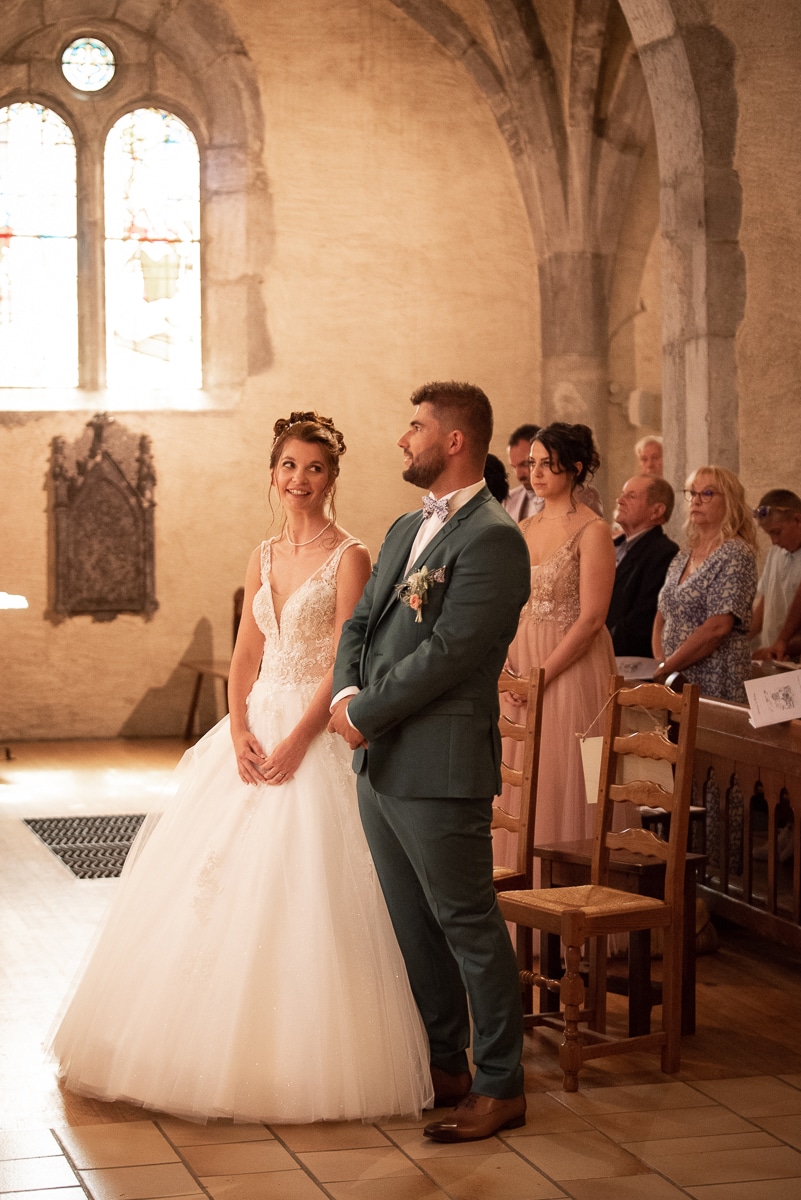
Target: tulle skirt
248	967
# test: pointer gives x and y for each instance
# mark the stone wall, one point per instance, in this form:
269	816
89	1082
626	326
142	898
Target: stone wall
768	160
395	246
398	251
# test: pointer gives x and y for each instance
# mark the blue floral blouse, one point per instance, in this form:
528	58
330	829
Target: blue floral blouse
725	582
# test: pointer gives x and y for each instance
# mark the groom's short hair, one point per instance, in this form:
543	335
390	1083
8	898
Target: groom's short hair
462	404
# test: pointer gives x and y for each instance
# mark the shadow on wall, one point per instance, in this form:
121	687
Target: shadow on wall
162	711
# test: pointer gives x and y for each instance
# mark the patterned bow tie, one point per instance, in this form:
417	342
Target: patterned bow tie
432	507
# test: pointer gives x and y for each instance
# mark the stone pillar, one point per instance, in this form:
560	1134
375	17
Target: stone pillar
575	319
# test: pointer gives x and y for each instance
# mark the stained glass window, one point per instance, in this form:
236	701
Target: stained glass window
38	250
152	178
88	64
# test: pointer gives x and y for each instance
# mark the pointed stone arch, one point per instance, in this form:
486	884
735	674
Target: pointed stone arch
685	71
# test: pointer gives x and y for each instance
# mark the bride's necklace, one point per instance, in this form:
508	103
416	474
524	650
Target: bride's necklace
312	539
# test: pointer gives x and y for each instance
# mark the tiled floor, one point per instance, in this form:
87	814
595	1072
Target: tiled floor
648	1142
733	1138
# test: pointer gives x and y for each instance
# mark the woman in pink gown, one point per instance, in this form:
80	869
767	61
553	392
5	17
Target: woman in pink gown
562	628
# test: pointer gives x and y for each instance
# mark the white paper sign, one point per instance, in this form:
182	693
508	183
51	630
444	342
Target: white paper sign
636	668
591	751
774	698
630	768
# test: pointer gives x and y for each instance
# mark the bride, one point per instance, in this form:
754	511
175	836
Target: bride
248	967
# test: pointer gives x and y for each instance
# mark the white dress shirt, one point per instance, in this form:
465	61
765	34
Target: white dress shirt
432	525
522	502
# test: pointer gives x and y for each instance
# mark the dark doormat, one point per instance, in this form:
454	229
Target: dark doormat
92	847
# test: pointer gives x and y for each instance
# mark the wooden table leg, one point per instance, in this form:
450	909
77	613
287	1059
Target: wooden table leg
550	956
688	954
640	993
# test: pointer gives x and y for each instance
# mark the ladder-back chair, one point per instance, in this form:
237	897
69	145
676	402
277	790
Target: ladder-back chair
520	742
523	776
596	910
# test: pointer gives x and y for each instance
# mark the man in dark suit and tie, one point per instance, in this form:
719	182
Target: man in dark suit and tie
643	556
415	695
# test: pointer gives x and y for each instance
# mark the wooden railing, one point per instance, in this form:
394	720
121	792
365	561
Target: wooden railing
749	781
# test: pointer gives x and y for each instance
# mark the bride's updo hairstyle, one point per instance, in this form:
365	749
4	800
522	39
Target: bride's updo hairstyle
568	445
313	428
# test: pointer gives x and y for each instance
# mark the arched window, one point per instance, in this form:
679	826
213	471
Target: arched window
119	144
38	249
152	252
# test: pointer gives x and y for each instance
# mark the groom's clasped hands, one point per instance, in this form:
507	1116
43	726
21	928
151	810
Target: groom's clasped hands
340	724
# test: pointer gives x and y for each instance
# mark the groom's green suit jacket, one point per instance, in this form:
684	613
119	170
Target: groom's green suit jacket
428	699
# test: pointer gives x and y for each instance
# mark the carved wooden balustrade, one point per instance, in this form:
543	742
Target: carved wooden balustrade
749	781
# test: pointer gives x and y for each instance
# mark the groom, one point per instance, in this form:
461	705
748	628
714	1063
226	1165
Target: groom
415	695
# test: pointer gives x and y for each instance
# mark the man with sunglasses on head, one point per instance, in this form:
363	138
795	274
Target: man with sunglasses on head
778	514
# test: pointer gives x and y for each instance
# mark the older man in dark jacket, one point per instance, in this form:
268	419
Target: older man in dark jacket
643	556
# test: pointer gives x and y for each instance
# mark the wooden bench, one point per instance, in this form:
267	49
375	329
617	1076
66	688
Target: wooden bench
749	782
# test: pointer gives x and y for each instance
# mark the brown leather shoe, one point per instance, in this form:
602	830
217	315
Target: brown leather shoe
477	1117
450	1089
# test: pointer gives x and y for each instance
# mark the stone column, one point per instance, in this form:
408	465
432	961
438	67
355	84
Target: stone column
575	319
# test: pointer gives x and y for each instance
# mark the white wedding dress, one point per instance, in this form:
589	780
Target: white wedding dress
248	967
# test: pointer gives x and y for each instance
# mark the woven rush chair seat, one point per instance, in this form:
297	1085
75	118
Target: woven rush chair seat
594	901
590	913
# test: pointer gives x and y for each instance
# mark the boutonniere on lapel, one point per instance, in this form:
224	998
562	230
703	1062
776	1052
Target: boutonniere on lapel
414	589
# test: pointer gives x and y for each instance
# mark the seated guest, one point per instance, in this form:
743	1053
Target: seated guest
495	478
704	610
522	500
649	454
643	554
779	516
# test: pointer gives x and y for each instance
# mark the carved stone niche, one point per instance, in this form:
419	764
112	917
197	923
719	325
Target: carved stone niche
102	498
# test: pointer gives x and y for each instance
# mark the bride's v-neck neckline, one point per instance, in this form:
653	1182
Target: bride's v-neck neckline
276	616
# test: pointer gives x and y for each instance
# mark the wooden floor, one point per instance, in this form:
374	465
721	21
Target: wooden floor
728	1127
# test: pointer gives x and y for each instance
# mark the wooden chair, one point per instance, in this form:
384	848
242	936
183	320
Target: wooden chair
596	910
523	777
213	668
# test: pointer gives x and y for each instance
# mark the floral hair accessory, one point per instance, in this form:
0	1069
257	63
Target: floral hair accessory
310	418
414	589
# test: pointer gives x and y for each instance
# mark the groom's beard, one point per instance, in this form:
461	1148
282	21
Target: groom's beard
426	467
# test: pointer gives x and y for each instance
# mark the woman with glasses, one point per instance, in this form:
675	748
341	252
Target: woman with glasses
704	612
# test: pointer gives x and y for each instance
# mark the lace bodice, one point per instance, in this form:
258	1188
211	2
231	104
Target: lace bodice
555	585
301	649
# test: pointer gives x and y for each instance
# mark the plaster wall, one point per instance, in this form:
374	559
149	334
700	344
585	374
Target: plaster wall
399	251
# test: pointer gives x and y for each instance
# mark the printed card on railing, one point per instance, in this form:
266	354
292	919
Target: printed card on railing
636	668
774	698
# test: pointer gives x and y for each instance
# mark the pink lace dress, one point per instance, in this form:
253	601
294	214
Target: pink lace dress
572	700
